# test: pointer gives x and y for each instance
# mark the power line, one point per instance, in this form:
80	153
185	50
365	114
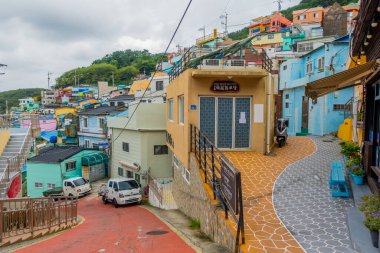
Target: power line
162	58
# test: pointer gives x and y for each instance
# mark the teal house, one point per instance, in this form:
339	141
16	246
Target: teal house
52	165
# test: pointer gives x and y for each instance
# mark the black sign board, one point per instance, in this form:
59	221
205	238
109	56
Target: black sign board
225	86
229	185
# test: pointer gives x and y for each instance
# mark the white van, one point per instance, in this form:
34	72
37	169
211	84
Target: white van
121	191
76	187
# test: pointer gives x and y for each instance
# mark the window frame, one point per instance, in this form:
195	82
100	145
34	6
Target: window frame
161	83
309	67
321	64
50	185
85	119
161	149
125	144
38	183
120	170
186	175
100	125
171	109
69	163
129	174
181	111
89	143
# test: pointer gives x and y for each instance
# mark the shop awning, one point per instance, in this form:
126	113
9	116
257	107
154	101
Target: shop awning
338	81
94	159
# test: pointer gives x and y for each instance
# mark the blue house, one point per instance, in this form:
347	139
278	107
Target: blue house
93	126
324	115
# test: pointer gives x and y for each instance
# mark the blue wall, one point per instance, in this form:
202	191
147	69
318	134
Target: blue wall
93	133
323	119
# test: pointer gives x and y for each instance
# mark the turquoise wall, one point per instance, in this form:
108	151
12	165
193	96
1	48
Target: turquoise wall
43	173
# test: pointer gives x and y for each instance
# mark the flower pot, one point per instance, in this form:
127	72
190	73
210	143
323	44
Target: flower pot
375	238
357	179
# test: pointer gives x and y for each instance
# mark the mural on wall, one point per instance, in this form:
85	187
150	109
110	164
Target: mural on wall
15	187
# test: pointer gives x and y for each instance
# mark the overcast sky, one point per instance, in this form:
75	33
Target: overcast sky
57	35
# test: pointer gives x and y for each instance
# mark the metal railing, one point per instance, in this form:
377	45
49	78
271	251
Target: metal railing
210	37
31	215
155	189
181	65
211	162
15	164
348	108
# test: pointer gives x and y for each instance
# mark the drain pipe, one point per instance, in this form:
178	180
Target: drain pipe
269	92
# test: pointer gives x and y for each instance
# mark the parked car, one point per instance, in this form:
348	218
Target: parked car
120	191
75	187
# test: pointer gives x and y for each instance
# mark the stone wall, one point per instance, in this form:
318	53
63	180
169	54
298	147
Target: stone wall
194	198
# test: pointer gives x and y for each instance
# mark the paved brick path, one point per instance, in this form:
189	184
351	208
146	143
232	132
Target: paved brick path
264	230
303	202
107	229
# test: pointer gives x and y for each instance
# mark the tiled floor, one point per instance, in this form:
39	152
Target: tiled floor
264	230
303	201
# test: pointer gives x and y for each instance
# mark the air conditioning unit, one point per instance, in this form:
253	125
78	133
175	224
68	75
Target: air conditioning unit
211	63
236	63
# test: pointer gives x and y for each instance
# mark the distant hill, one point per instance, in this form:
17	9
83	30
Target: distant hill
121	66
14	95
288	13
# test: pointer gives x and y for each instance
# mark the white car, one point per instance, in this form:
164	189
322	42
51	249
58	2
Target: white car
120	191
76	187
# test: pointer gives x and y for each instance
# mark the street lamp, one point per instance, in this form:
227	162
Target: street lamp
204	31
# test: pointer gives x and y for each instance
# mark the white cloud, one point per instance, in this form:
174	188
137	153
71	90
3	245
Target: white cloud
43	35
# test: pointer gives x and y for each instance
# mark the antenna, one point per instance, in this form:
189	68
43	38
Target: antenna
49	74
279	2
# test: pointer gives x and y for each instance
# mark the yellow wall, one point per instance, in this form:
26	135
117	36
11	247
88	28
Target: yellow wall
193	87
139	85
64	110
4	138
89	101
264	39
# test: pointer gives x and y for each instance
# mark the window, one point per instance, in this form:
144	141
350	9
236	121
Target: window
170	109
315	15
270	36
50	186
301	17
186	175
110	184
120	171
70	166
341	107
160	149
137	177
38	185
129	174
181	109
160	85
87	144
85	122
285	67
258	37
309	67
125	147
101	122
286	105
305	47
321	63
287	96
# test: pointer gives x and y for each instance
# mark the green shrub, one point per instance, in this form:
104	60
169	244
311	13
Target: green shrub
358	171
350	149
195	224
354	160
371	210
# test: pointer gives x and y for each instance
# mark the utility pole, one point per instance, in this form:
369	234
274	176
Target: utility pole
75	77
113	78
279	2
49	73
178	48
6	107
2	65
224	19
204	31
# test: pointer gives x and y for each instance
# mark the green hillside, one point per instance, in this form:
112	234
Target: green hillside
14	95
120	65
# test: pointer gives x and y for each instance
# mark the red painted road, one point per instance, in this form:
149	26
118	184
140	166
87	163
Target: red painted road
109	229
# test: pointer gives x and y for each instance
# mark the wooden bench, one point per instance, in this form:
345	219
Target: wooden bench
337	182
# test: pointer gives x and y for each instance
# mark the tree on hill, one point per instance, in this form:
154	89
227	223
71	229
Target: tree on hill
14	95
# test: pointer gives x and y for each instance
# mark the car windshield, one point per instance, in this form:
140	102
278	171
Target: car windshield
79	182
128	185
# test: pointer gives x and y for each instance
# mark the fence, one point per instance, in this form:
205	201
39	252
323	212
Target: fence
212	163
30	215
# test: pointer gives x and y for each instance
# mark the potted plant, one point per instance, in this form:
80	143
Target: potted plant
371	209
349	149
354	162
357	175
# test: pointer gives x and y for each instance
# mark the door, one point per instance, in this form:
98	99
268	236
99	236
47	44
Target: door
207	117
242	122
225	122
305	112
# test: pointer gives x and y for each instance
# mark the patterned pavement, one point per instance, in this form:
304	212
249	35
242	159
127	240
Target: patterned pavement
264	230
303	202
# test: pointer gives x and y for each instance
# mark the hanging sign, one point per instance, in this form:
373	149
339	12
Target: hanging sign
225	86
229	185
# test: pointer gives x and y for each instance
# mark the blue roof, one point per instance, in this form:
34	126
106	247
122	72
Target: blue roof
46	135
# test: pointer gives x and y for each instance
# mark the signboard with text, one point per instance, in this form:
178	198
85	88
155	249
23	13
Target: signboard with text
225	86
229	185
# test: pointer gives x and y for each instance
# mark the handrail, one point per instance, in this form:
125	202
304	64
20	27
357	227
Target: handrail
212	162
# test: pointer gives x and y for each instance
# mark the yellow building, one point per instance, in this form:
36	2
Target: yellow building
87	101
64	110
230	106
265	40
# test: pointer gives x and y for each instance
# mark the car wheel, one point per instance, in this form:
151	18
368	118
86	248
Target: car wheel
105	200
114	202
71	195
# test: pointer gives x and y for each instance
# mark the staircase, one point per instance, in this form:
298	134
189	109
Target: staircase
13	158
